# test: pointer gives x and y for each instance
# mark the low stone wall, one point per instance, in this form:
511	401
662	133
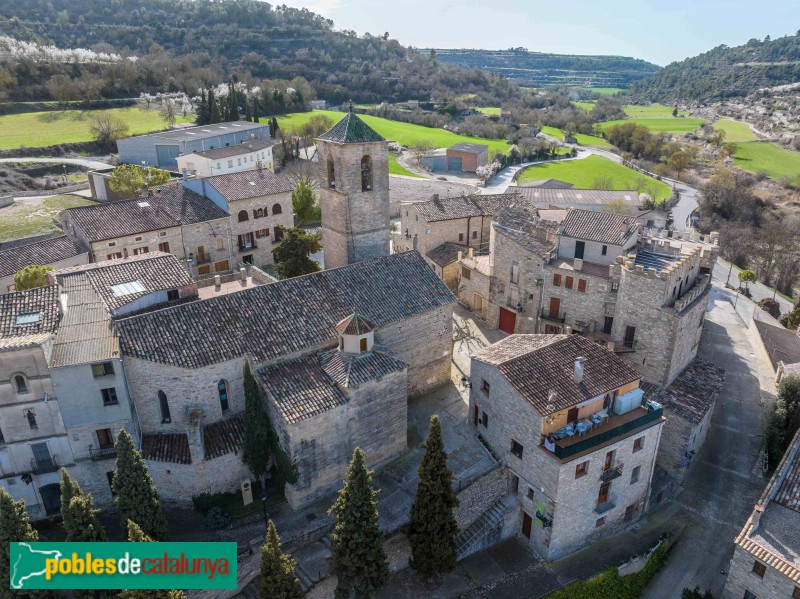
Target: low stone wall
261	277
480	495
6	200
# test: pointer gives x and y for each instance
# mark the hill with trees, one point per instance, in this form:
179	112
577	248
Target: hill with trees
203	42
724	72
538	69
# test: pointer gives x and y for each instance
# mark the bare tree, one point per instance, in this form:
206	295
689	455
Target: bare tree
420	148
107	129
605	183
169	113
301	171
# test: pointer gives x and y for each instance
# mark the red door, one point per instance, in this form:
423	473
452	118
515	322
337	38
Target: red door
507	321
527	521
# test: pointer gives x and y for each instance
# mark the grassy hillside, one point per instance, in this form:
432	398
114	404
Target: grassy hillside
584	140
584	172
30	129
650	111
658	125
736	131
396	169
606	91
406	134
758	156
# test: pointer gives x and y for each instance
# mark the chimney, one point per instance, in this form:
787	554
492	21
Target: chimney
577	264
185	174
435	197
471	252
578	374
460	255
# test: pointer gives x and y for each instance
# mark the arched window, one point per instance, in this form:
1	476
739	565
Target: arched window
222	389
164	404
20	383
260	213
331	173
243	216
366	173
276	209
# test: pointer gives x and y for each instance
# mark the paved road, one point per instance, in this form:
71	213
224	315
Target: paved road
758	290
504	178
725	479
92	164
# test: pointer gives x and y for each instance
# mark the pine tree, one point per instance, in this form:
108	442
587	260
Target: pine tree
433	527
137	498
358	559
277	580
135	535
256	451
14	526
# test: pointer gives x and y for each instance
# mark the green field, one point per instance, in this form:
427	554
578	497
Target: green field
406	134
584	140
31	129
489	110
606	91
35	217
736	130
587	106
583	172
396	169
758	156
658	125
651	111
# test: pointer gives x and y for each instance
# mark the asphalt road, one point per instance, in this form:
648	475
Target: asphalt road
759	291
725	480
92	164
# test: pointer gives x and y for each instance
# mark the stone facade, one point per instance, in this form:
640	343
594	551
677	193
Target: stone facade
254	238
418	234
355	208
742	578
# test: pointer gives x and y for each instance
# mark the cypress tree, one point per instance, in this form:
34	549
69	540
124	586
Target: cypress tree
137	498
233	105
214	115
255	109
14	526
256	450
202	109
433	527
135	535
358	559
277	579
248	114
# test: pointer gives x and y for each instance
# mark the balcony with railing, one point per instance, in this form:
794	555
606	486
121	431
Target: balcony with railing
102	453
603	506
614	428
559	317
612	472
247	247
44	465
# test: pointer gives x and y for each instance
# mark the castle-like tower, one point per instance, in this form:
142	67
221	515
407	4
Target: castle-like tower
354	192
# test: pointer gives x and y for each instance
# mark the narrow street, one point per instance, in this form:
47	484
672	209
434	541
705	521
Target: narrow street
726	479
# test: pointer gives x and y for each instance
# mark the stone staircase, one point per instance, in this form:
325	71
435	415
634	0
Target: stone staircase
486	530
311	573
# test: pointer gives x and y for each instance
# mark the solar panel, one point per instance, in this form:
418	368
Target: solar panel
128	288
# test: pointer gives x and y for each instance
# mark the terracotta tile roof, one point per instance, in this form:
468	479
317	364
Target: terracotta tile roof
47	251
464	206
352	371
602	227
351	129
168	206
28	317
249	184
166	447
286	317
223	436
522	226
301	388
693	393
535	365
355	324
447	253
154	271
772	533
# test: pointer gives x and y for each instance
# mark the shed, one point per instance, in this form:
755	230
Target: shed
466	157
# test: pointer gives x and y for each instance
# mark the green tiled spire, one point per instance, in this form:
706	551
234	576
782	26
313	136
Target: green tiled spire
351	130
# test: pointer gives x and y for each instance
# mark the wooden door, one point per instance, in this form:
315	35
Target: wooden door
475	416
609	460
527	522
602	497
572	415
508	320
555	307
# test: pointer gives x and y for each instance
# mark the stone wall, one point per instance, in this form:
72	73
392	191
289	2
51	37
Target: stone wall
589	307
473	231
741	578
214	237
264	226
425	343
480	495
478	284
178	483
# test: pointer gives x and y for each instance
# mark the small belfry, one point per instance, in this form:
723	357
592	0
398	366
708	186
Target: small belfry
354	192
356	334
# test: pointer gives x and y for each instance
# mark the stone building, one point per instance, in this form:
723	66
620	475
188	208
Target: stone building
325	392
566	417
598	274
85	364
766	557
57	252
169	219
354	192
248	155
688	405
33	440
260	206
